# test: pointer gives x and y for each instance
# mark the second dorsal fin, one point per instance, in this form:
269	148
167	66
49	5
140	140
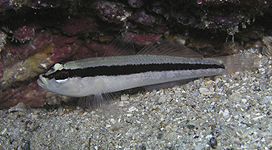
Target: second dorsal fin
119	47
170	48
123	45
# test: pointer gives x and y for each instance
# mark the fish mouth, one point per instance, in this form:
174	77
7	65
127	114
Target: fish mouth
42	82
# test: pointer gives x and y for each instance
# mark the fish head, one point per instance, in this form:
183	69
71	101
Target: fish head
57	80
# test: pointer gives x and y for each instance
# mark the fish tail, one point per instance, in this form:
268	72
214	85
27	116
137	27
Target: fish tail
241	62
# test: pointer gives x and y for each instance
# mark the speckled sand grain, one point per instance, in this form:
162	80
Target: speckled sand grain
224	112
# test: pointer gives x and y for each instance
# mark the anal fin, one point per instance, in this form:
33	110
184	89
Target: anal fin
95	101
167	84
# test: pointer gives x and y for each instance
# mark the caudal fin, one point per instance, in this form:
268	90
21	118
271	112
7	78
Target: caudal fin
243	61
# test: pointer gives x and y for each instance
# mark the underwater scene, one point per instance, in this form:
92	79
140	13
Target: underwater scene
135	74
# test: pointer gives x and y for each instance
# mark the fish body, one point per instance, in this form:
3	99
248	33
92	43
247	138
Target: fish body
110	74
154	64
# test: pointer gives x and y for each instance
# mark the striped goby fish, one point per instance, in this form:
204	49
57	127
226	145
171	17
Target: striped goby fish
155	64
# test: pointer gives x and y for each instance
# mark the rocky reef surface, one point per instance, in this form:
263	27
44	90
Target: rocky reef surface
36	34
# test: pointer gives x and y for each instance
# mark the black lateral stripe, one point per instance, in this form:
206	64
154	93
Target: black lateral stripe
127	70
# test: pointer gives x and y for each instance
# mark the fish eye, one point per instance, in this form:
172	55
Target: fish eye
61	74
55	67
52	69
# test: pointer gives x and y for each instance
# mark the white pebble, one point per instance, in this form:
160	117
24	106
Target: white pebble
235	97
226	113
124	97
112	121
131	109
205	91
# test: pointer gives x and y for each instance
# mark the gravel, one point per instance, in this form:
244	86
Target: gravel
223	112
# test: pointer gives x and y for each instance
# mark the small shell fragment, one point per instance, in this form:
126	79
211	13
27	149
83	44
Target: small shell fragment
20	107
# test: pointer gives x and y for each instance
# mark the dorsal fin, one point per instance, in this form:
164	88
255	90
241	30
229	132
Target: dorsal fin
119	47
170	48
